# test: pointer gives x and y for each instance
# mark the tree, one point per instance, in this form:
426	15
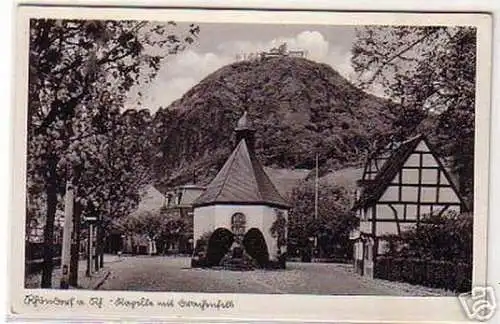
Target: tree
80	72
153	225
278	229
430	72
332	225
110	183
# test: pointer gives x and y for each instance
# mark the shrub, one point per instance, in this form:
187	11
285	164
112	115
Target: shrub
430	273
436	253
446	238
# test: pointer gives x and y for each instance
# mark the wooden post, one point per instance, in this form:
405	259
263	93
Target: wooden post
67	233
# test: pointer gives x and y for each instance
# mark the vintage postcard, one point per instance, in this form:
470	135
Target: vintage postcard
218	165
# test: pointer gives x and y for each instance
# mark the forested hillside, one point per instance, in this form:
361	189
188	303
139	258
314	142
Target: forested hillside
297	106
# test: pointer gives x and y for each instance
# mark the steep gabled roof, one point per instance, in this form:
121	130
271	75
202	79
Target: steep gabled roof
374	189
242	180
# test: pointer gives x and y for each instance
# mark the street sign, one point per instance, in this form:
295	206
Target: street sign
90	219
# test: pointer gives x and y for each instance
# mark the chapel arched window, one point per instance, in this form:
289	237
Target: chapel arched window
238	222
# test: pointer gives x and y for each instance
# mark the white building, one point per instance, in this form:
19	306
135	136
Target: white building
242	204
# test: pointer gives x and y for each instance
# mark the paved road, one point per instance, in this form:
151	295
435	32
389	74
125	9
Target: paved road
174	274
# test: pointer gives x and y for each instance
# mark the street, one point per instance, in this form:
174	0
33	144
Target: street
144	273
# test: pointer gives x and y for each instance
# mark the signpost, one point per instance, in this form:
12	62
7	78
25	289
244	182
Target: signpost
90	238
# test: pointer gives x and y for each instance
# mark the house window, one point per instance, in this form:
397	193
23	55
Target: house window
238	222
179	197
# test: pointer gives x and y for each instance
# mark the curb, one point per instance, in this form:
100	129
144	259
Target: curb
102	281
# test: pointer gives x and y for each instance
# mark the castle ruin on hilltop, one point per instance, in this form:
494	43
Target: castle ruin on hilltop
280	51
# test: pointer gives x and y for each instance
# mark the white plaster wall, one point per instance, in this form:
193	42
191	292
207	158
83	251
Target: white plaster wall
429	160
422	147
385	212
413	160
358	250
385	228
411	212
254	215
409	176
447	195
203	221
210	218
391	194
365	226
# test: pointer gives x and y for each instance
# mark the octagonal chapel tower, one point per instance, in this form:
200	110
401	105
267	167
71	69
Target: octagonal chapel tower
241	206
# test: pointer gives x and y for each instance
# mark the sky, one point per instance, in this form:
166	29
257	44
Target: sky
219	45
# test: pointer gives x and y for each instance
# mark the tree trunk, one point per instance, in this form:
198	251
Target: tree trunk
75	246
48	233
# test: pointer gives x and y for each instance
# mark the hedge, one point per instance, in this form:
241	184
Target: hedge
430	273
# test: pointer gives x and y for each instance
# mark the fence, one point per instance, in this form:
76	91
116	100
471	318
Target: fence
453	276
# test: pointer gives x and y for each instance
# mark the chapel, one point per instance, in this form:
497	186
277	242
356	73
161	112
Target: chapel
241	212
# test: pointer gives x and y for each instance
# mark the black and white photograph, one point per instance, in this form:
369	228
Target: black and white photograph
262	158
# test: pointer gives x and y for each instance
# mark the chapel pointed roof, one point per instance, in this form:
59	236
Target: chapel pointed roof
242	180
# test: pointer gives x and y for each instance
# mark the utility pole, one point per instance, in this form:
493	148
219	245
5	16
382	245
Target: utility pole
67	235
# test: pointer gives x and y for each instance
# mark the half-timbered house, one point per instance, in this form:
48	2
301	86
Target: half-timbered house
401	185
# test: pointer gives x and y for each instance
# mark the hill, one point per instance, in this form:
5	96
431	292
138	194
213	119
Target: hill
298	107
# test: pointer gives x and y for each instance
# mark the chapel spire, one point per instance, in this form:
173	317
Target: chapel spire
244	130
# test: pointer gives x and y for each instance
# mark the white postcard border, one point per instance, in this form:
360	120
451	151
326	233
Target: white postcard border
254	307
